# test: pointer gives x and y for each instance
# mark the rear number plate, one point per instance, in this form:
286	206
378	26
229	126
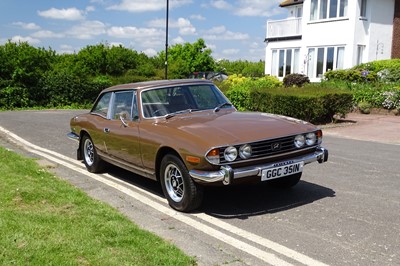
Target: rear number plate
281	171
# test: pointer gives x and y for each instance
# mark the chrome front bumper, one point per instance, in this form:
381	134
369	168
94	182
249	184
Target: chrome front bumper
73	136
227	174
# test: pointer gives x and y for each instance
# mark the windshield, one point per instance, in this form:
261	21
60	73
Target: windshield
173	100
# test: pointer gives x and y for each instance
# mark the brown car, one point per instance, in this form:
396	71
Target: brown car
186	134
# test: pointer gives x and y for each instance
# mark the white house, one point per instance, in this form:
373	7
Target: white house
322	35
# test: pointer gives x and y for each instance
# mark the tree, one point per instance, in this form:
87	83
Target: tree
184	59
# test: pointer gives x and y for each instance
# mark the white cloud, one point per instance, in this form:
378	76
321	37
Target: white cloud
220	33
87	30
258	8
64	14
147	5
66	49
90	9
230	51
47	34
178	40
221	4
150	52
184	25
27	26
133	32
197	17
211	46
217	30
27	39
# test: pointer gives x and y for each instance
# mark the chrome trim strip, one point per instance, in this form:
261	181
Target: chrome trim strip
320	155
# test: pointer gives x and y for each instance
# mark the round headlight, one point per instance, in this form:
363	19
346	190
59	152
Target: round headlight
245	151
230	154
311	139
299	141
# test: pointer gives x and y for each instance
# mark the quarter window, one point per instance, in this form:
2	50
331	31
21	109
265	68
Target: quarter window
102	105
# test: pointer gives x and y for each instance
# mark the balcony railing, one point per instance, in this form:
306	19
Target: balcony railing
284	28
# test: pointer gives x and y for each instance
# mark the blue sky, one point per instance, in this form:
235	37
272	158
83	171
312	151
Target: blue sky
234	30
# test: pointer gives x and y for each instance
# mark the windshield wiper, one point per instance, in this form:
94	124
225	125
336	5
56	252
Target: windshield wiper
168	116
216	109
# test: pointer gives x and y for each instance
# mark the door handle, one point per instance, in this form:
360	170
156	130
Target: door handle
106	130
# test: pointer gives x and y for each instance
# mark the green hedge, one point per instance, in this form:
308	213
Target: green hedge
313	103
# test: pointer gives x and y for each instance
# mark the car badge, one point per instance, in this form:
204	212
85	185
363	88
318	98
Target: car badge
276	146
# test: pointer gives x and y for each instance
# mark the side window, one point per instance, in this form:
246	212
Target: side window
122	105
102	105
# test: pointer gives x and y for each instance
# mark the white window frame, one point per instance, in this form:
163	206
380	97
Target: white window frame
294	63
316	9
312	60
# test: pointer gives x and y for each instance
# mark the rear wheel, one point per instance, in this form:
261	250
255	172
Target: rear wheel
182	193
93	162
286	182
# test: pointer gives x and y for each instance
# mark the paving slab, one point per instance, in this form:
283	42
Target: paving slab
371	127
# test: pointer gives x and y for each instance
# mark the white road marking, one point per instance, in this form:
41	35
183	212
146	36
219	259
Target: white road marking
252	250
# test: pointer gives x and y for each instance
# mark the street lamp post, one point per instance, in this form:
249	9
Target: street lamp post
166	41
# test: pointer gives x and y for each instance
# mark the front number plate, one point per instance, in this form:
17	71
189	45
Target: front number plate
281	171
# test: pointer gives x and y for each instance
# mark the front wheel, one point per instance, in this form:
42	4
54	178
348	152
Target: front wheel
182	193
93	162
286	182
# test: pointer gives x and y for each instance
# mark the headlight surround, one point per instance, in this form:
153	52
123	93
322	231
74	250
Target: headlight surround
245	151
213	156
230	154
299	141
311	139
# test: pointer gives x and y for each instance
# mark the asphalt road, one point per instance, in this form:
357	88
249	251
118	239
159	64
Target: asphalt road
344	212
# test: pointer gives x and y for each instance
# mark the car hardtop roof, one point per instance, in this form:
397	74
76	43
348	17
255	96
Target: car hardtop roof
156	83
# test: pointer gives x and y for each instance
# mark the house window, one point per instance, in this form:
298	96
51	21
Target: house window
274	63
340	58
363	8
328	9
323	59
285	62
360	54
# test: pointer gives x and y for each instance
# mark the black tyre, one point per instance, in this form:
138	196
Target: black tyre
182	193
286	182
93	162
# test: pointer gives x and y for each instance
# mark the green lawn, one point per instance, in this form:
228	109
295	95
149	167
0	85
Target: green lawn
46	221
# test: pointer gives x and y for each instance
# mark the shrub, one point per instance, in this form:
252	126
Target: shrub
239	92
391	99
351	75
295	80
364	107
313	103
14	97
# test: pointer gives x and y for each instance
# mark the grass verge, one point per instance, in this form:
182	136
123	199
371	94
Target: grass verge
46	221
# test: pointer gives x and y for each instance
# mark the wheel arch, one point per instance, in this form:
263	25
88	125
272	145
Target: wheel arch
79	152
160	155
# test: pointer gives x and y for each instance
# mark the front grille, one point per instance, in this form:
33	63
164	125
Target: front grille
266	148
